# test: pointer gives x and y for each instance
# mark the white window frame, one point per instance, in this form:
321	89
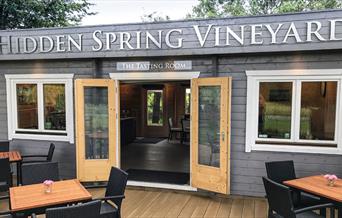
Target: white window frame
40	80
297	77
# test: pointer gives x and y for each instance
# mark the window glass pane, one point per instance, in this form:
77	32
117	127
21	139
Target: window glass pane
54	106
275	107
96	122
27	106
154	107
318	110
187	100
209	125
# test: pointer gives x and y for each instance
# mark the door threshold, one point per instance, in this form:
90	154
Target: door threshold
161	185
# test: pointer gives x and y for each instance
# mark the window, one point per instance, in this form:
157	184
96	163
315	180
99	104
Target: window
155	107
297	113
42	107
187	100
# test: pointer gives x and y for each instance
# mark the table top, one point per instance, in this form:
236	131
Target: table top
318	185
34	196
14	156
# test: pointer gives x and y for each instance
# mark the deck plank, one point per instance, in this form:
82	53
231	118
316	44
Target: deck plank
225	208
237	208
172	204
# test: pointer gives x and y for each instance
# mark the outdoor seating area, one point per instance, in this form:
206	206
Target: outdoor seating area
289	196
39	192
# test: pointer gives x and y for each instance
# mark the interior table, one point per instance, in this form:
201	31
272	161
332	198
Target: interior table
14	157
30	199
318	185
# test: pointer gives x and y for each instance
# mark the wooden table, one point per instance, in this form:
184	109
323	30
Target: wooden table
318	185
32	198
14	157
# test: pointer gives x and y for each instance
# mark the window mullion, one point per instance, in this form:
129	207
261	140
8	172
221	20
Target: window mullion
296	109
40	107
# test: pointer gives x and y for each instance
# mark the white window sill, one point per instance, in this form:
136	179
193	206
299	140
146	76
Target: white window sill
39	137
295	149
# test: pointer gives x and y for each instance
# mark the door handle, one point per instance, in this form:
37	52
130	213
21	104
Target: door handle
223	136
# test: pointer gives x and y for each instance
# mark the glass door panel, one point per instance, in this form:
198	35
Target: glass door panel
96	122
209	125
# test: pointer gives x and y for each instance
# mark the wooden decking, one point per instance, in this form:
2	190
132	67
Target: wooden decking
160	203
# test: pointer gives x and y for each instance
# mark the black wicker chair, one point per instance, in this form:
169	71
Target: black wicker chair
39	158
85	210
115	191
281	205
36	173
280	171
4	146
5	176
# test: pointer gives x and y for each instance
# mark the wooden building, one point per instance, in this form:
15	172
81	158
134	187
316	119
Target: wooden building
253	89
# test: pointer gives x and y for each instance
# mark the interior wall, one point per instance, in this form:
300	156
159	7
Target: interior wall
133	102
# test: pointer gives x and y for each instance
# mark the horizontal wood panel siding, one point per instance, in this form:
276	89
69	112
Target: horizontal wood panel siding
191	45
64	152
248	168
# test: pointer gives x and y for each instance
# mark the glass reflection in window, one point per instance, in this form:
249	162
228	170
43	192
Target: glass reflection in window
54	106
318	110
27	107
275	110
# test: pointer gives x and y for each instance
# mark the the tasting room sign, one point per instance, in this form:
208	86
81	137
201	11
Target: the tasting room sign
208	36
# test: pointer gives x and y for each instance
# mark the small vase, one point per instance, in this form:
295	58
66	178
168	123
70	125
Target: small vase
331	182
48	188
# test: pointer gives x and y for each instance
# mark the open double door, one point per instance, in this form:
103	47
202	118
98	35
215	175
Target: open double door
97	137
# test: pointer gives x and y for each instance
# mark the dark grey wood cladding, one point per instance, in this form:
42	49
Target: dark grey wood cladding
246	168
191	45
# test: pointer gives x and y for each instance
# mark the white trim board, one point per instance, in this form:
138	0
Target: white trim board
185	75
161	185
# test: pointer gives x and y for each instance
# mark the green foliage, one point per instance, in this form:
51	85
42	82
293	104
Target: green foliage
21	14
226	8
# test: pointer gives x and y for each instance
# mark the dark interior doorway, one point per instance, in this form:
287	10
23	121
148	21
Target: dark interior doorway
148	111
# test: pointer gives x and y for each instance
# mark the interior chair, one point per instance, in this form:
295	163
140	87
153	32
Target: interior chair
86	210
4	146
280	202
185	129
5	176
280	171
114	195
173	130
36	173
38	158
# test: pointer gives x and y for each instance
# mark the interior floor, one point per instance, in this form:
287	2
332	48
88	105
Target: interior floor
169	156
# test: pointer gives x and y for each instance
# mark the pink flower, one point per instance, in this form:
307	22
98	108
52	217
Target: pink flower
48	182
330	177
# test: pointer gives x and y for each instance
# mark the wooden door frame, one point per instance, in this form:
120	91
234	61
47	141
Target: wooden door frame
151	76
80	130
199	170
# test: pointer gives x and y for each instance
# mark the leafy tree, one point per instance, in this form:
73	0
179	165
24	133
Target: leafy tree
225	8
20	14
154	17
